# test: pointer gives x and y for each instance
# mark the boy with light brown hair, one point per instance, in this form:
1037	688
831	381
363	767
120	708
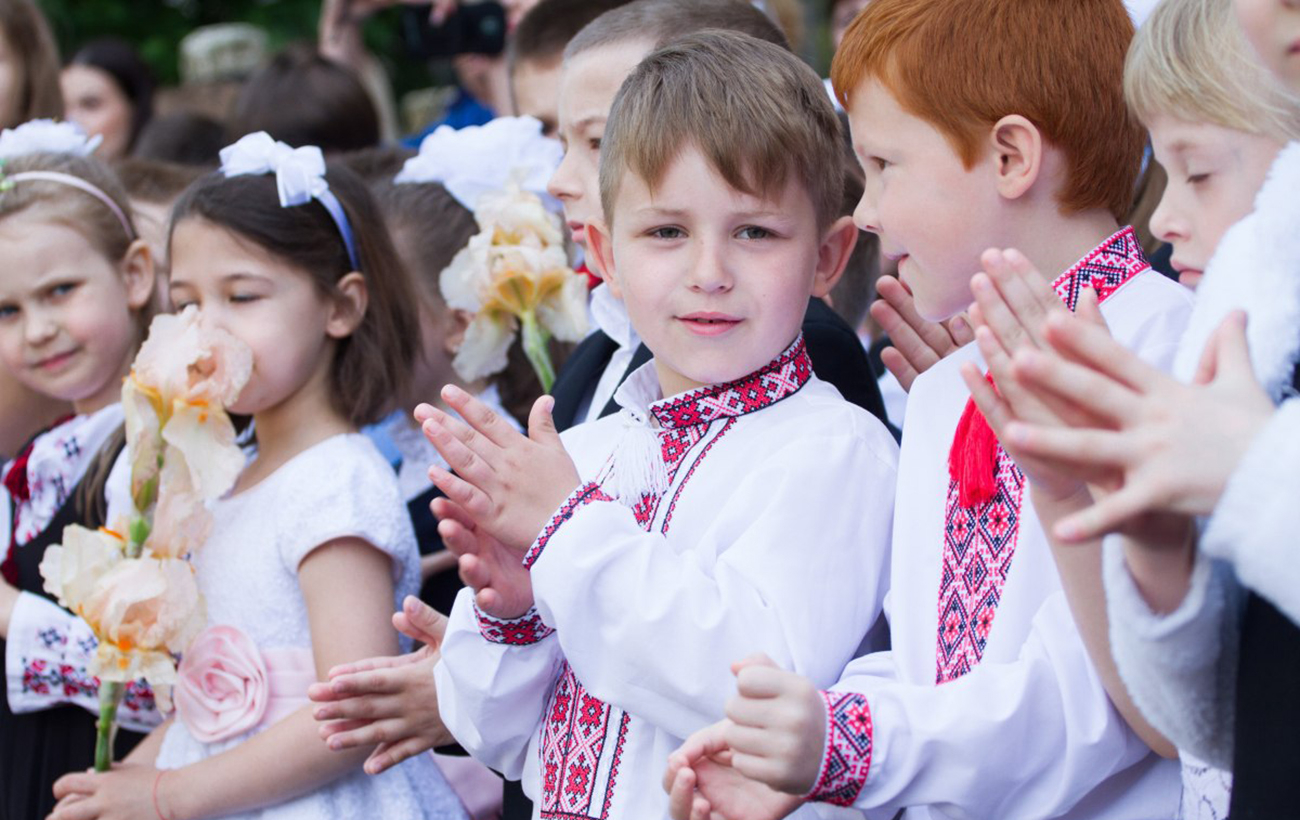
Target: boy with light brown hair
613	568
979	124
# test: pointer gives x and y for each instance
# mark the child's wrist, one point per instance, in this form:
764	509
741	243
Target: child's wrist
1162	575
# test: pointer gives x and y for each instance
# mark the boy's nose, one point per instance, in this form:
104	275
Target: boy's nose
39	327
561	185
866	217
710	271
1166	225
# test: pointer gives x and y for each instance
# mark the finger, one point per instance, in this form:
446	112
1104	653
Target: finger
1088	308
763	769
680	785
458	540
331	728
541	424
370	734
388	755
427	624
907	343
898	365
475	572
1093	392
423	412
444	508
994	408
474	500
959	328
1093	346
385	681
480	418
365	665
468	461
1227	353
995	314
321	692
77	782
1105	516
934	335
756	659
763	682
1027	293
1086	448
84	809
707	742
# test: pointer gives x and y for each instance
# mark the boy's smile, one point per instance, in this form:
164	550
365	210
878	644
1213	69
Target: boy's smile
716	281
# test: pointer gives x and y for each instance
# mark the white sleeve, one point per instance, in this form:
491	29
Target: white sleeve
794	563
1180	668
493	681
1023	739
1254	526
47	656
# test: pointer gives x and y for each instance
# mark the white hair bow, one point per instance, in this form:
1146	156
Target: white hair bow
47	137
299	176
481	159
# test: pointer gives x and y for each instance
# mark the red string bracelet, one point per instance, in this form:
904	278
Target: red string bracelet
156	781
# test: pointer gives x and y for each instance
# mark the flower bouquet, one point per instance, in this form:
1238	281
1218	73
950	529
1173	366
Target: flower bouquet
133	584
514	273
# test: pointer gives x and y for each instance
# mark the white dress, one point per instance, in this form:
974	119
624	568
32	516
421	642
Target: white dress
248	574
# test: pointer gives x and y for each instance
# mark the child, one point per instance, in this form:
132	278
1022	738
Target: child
977	123
75	289
108	90
28	46
153	187
595	63
582	667
313	547
536	54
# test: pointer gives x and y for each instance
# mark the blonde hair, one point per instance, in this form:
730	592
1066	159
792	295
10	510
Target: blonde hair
1191	61
755	111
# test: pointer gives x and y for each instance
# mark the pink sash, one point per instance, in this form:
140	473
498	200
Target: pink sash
228	686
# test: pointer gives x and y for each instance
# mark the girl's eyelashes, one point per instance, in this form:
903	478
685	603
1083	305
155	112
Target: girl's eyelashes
243	298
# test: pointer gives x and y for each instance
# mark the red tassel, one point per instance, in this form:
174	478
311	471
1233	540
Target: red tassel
973	459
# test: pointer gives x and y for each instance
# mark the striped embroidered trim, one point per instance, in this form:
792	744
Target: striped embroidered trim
581	497
846	756
525	630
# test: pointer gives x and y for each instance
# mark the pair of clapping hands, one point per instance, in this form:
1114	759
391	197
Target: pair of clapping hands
503	491
1080	414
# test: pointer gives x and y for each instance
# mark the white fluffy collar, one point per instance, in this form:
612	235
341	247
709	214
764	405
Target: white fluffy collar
1256	268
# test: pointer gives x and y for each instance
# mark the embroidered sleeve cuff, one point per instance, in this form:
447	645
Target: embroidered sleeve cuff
846	755
525	630
581	497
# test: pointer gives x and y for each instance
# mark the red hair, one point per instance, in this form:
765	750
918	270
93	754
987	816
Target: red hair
962	65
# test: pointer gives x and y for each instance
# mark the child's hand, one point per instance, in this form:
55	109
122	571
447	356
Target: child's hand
1170	446
387	702
702	784
126	792
509	484
1012	304
918	343
503	588
778	726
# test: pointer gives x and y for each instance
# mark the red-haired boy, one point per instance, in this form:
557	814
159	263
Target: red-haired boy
980	123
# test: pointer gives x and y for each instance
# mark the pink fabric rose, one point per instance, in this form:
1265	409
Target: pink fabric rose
223	689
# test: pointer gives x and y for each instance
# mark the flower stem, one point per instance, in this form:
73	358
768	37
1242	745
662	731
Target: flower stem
535	338
110	695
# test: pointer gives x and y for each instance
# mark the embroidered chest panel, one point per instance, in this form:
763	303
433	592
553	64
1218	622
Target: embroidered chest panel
582	737
979	541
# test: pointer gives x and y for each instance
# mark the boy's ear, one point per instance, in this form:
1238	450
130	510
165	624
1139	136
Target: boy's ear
1018	148
350	304
833	255
139	273
602	253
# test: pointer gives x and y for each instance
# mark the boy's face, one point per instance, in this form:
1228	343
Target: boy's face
536	89
715	281
1273	28
934	217
588	84
1214	173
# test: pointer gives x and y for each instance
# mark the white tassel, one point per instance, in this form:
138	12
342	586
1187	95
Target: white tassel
637	465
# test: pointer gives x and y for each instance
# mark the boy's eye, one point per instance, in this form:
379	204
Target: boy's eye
753	232
667	232
8	311
1197	179
243	298
63	288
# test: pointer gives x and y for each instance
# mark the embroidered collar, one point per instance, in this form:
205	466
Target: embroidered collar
782	377
57	461
1105	269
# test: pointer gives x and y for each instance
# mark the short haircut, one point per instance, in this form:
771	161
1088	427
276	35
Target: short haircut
120	61
303	98
185	137
372	365
1192	61
378	166
661	22
962	65
853	294
159	183
32	46
755	111
547	28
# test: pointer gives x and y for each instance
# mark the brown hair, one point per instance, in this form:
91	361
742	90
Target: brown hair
962	65
757	113
303	98
662	22
155	181
853	294
370	366
547	28
25	29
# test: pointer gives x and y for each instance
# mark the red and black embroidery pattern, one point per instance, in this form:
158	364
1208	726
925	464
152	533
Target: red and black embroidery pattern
525	630
846	760
783	377
581	497
578	775
980	539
